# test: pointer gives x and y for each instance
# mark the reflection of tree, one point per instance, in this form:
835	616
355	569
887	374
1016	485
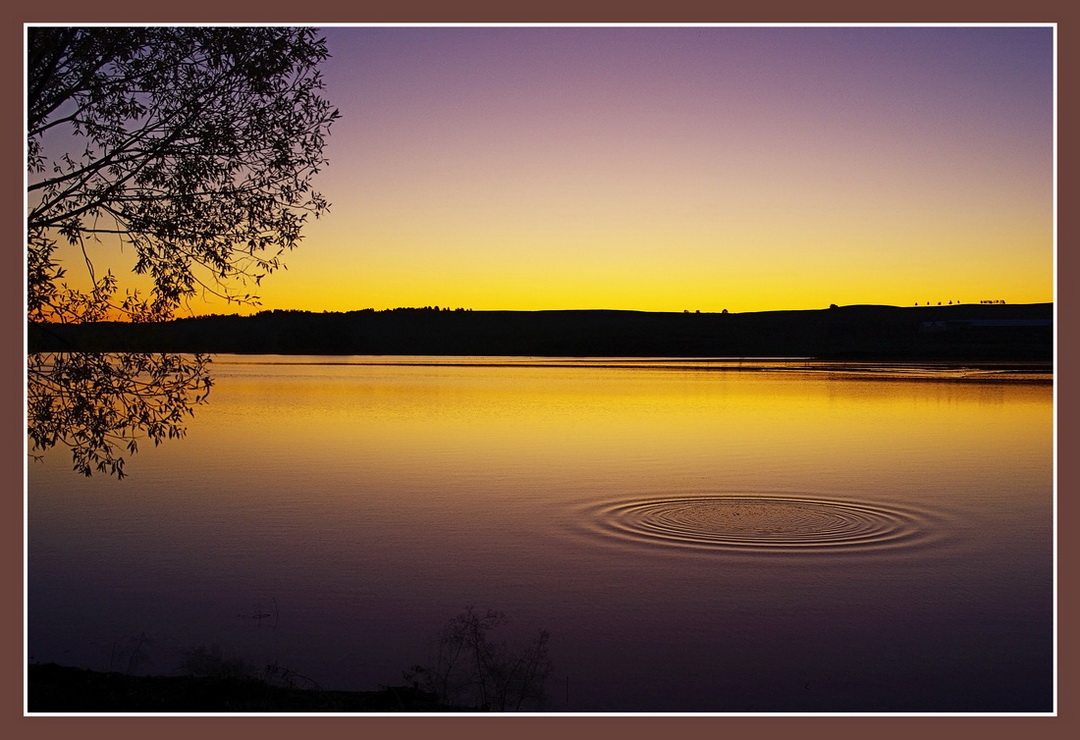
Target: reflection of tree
469	668
99	405
192	150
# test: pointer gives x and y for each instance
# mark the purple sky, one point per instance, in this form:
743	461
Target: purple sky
696	167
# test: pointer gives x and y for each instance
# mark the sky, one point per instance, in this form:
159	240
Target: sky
680	168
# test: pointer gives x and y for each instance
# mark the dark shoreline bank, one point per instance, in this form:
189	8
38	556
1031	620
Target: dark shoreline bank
53	688
974	333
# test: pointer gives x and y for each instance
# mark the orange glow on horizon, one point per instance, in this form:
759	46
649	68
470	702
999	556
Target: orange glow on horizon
676	169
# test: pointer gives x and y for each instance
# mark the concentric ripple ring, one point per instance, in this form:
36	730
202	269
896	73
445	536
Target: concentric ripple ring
757	522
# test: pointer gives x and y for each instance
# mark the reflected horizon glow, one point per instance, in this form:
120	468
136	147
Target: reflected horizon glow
693	540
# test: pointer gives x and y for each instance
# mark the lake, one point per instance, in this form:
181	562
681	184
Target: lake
694	535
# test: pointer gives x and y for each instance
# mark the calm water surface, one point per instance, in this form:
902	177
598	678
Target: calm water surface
695	536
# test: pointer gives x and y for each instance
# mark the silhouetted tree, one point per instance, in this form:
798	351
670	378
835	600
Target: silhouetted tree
471	669
100	405
193	149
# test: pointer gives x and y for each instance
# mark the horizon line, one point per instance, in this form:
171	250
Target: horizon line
465	309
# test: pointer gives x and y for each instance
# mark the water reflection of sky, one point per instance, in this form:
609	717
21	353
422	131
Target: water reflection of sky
374	500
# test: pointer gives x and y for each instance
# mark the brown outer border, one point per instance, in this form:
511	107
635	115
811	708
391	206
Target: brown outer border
531	11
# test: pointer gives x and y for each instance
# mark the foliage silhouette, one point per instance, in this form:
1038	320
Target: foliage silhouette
470	668
101	405
191	148
195	147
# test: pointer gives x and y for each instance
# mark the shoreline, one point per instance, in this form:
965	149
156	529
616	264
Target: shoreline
52	688
961	333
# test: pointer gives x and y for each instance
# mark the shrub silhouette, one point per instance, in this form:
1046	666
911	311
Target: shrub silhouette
470	668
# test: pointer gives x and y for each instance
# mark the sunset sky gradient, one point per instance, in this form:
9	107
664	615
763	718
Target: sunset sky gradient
671	168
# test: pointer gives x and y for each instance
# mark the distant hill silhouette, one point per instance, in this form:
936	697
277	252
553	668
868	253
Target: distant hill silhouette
962	332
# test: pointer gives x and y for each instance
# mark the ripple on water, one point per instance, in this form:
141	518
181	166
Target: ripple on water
756	521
